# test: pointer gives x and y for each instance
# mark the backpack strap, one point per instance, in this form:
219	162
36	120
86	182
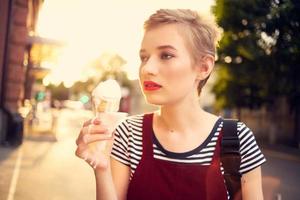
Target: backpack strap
231	158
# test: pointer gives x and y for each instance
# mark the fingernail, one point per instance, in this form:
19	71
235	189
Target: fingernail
96	120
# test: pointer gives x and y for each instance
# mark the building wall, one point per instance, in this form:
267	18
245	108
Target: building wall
4	16
4	12
17	39
13	40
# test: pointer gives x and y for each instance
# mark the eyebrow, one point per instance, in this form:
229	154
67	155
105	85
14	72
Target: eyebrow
161	47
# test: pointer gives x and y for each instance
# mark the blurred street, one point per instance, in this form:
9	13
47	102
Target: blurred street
48	75
281	173
45	166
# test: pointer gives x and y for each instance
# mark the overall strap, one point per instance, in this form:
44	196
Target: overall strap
231	158
147	136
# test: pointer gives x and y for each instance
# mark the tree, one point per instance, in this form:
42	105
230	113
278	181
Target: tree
259	54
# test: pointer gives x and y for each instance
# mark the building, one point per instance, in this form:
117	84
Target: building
17	22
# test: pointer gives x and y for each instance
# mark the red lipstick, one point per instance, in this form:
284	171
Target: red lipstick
151	86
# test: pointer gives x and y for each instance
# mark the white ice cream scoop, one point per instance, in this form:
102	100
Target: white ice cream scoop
106	96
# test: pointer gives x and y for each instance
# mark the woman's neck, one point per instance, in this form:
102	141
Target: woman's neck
181	118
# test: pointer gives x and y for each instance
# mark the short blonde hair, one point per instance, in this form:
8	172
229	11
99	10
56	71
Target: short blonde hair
201	33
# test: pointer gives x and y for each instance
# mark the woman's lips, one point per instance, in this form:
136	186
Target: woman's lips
151	86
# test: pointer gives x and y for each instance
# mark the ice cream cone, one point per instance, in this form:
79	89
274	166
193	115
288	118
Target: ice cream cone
106	99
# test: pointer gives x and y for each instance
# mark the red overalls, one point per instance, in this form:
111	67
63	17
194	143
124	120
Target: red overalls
156	179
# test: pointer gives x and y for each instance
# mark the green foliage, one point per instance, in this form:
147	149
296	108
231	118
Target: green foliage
259	52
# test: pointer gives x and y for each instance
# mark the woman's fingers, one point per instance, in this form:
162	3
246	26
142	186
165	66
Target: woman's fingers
89	138
94	129
95	121
93	133
81	151
88	127
79	138
86	123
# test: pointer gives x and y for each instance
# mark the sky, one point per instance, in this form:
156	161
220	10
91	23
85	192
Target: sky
93	27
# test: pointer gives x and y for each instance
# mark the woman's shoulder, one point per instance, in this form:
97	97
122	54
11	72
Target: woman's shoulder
136	119
136	116
130	123
251	154
242	127
243	130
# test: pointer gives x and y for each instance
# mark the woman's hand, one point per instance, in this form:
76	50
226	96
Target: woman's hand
94	144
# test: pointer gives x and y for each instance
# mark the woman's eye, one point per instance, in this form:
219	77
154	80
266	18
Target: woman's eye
143	58
166	56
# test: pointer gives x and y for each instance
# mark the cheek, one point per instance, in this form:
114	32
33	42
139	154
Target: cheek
140	80
140	74
181	78
140	68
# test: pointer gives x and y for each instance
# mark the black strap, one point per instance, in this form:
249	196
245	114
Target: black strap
231	158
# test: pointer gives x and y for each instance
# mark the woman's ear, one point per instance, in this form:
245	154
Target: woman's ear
205	67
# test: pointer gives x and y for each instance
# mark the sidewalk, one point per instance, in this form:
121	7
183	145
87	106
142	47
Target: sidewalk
45	166
8	157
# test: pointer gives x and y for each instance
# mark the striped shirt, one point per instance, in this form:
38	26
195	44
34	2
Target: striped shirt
127	147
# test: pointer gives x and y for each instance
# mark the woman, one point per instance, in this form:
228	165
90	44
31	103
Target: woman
172	153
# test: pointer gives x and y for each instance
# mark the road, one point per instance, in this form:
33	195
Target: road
45	167
281	175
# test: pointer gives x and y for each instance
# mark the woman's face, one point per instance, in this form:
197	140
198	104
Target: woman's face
167	74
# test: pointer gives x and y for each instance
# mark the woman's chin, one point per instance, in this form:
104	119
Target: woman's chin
155	101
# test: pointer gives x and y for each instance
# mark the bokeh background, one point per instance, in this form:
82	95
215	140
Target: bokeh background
54	52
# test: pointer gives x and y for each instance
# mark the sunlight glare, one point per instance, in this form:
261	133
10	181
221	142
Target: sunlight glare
91	28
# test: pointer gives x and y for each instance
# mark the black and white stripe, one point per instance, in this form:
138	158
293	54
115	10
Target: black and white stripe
252	156
127	147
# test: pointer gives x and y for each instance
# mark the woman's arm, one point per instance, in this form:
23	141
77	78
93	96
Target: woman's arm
105	189
112	177
252	185
120	176
251	160
112	184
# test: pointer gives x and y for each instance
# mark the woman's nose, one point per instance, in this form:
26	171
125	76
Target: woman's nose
150	67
